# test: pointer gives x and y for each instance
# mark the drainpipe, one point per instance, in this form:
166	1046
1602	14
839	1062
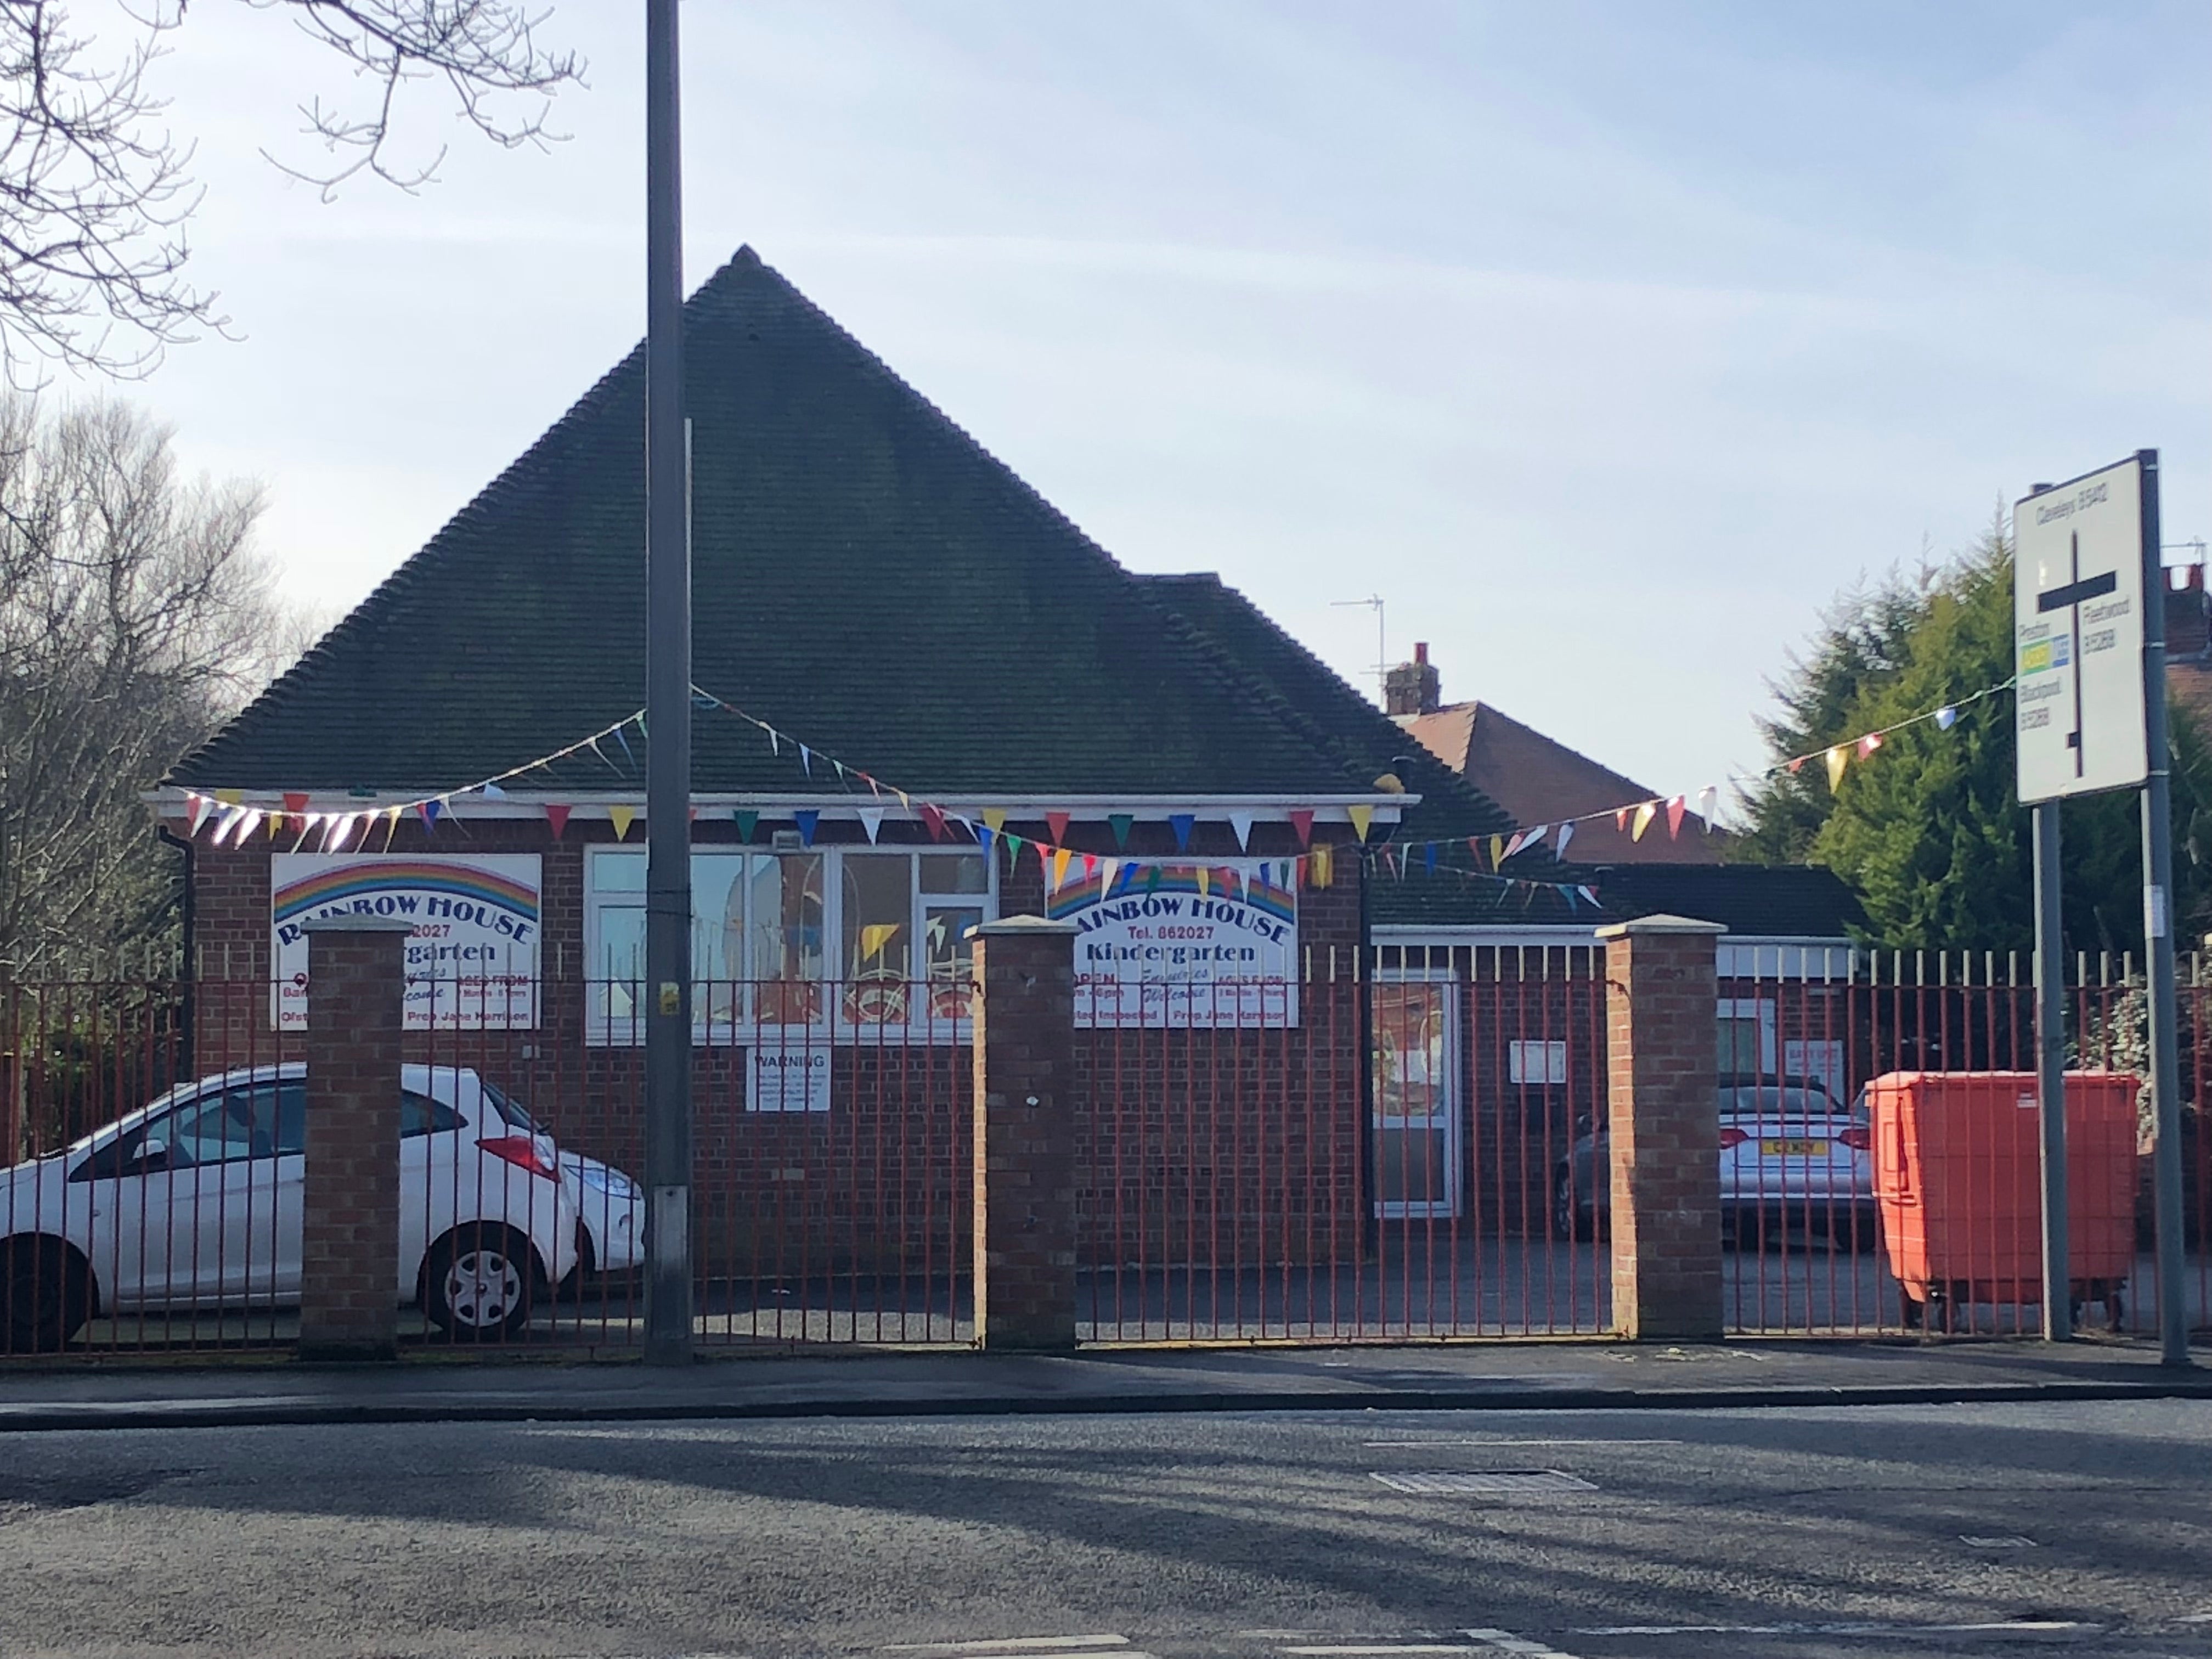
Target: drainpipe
1363	976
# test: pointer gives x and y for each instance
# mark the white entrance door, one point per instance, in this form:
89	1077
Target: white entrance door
1417	1098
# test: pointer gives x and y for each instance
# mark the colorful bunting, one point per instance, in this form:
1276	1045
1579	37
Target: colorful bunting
1644	814
1241	823
933	819
1946	717
871	820
1183	823
1302	822
1838	758
621	817
1566	834
996	817
1677	810
808	821
747	822
1361	816
1057	822
1120	823
1061	859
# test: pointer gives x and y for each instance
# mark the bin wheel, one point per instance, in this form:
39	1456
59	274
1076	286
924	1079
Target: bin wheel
1909	1310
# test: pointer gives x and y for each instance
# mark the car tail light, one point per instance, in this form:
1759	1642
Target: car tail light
1858	1138
521	1150
1732	1138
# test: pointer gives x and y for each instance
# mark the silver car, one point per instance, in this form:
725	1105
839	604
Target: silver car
1793	1159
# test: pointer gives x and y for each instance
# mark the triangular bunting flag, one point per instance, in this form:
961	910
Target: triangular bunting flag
1321	866
1205	882
1090	865
1589	893
231	797
1497	851
1183	823
295	801
1059	862
1621	818
806	760
983	832
1799	762
493	792
1057	822
1361	816
621	817
1429	857
1302	821
1108	868
871	820
392	816
430	810
1838	757
1676	809
1644	814
933	819
1566	834
1869	744
747	822
1706	798
341	832
253	818
1946	718
1121	824
996	817
1242	823
808	821
200	807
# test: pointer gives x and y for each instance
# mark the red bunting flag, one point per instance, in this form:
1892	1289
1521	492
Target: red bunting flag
1869	744
1057	822
1621	818
1302	821
557	816
295	801
1675	809
932	819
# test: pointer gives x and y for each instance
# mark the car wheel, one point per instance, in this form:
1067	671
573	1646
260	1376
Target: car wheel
1569	1219
476	1285
49	1297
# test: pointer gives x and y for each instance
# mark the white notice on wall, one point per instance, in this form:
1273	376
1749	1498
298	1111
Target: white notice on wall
792	1079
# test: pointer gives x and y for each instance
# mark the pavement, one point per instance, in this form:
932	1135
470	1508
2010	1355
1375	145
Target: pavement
1565	1374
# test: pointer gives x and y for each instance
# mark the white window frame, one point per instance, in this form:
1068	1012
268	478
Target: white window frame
1450	1119
604	1029
1746	1009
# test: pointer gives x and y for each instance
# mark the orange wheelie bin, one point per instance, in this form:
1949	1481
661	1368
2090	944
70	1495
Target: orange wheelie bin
1958	1168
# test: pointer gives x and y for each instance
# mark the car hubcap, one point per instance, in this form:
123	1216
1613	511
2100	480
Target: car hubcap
482	1289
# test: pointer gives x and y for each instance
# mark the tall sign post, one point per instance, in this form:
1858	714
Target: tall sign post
668	718
2089	711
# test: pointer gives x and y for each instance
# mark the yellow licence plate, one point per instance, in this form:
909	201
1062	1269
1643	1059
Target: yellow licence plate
1793	1149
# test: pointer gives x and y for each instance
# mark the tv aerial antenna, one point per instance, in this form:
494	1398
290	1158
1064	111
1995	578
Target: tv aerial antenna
1373	602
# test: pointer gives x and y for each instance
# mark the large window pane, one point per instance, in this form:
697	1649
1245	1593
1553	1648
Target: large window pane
954	873
950	955
617	870
879	915
786	897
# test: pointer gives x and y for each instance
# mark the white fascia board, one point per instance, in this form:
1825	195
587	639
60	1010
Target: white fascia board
594	803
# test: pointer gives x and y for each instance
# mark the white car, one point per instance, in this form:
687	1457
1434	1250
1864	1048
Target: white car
194	1203
610	1205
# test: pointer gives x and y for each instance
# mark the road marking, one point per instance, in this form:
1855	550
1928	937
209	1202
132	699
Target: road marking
1521	1442
1011	1645
1504	1641
2008	1541
1840	1629
1344	1651
1465	1482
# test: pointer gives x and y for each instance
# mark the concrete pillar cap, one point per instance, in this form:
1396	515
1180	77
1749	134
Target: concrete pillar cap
356	925
1643	926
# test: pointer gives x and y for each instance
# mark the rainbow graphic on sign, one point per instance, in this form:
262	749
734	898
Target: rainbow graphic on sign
339	887
1266	885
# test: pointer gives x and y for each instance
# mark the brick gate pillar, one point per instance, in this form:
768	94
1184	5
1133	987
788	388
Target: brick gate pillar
1025	1133
1663	1110
349	1220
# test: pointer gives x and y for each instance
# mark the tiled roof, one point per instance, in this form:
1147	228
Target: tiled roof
1538	779
864	576
1793	900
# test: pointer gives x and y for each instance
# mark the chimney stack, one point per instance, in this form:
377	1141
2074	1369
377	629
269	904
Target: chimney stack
1412	688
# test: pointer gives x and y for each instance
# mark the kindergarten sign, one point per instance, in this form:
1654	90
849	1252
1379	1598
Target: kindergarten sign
472	957
1184	944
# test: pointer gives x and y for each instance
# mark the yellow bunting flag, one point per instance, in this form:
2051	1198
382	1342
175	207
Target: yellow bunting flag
1361	816
1060	861
1837	758
1497	851
1644	814
1204	887
1319	865
621	817
875	936
995	817
231	797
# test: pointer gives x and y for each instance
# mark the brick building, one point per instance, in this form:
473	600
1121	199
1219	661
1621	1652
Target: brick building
928	701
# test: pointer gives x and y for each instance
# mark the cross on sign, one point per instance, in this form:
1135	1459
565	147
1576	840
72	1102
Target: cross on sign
2070	599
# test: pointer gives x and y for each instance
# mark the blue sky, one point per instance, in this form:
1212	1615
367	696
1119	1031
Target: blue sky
1605	342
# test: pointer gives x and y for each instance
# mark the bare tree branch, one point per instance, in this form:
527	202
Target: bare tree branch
96	191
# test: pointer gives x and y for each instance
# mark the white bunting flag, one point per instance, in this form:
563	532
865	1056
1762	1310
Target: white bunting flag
871	820
1566	834
1242	823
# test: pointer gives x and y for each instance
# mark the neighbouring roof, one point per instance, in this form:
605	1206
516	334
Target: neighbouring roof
1788	901
865	577
1539	779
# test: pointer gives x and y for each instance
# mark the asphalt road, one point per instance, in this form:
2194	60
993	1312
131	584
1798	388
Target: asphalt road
1803	1534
